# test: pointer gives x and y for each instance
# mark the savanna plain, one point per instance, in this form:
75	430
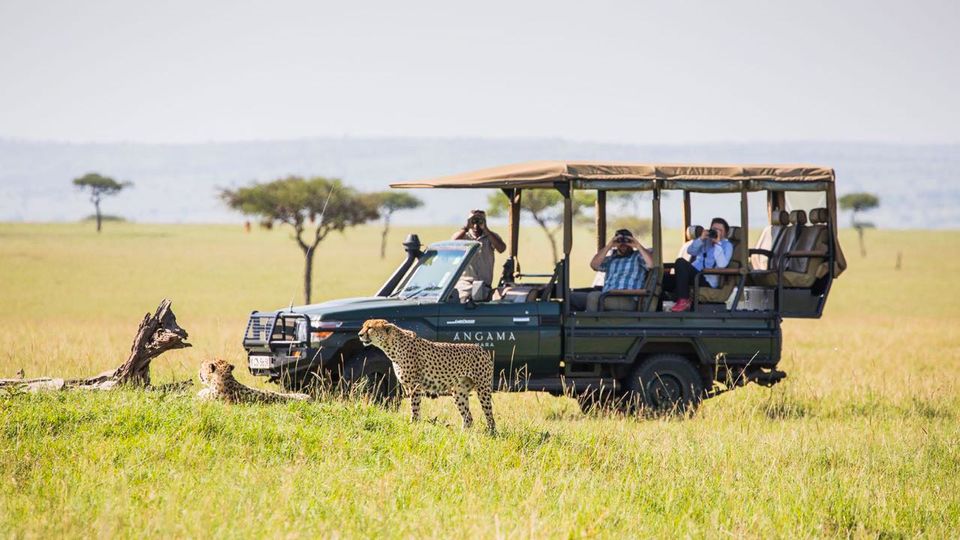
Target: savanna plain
862	439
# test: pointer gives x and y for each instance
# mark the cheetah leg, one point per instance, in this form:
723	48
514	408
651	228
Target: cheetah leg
486	401
415	397
463	403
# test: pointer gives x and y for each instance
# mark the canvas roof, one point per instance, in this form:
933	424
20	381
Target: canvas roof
611	175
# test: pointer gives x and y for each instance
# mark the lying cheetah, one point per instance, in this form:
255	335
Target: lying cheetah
435	368
220	384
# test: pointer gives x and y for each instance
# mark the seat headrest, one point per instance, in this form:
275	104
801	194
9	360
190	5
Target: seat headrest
798	217
819	216
734	234
780	217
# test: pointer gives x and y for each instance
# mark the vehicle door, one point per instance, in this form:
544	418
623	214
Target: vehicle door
510	330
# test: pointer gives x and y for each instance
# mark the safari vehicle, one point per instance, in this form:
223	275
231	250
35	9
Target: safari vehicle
650	355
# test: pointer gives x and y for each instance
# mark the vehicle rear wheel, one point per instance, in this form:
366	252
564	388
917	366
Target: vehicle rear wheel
371	372
665	383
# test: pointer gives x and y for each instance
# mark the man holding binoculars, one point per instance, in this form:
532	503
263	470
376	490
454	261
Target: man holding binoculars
625	268
480	268
710	250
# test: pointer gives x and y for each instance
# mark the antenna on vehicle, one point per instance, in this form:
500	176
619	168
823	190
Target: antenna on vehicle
291	305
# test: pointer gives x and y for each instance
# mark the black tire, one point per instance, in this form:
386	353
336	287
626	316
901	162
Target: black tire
664	384
369	370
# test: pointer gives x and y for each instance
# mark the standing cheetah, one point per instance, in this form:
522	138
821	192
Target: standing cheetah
436	368
217	377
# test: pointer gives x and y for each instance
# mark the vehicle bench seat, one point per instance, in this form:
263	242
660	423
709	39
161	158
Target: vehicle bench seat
805	260
771	259
645	299
771	238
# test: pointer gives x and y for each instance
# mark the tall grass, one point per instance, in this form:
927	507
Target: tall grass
860	440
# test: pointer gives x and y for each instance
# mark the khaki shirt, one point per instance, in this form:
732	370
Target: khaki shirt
480	267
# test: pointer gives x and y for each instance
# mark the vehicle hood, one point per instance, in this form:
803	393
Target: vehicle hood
361	306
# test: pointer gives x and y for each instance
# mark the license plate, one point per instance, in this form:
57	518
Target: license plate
261	362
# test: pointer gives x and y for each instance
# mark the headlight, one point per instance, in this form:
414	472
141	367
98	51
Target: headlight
323	329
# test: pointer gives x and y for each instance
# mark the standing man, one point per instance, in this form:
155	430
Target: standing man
625	269
480	268
711	250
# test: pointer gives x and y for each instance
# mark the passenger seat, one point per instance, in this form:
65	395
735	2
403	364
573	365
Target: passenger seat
802	252
807	261
761	256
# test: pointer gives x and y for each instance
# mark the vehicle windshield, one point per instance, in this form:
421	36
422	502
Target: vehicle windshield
433	273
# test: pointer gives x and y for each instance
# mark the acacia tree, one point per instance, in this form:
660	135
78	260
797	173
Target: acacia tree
313	207
389	202
545	206
859	202
99	187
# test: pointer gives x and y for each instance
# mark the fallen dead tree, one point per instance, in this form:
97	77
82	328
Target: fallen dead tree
158	333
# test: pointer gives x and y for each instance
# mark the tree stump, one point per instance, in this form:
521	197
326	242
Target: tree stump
157	334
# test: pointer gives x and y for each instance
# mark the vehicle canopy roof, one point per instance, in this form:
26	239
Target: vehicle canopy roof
638	176
606	176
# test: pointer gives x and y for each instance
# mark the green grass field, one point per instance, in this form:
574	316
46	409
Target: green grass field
861	440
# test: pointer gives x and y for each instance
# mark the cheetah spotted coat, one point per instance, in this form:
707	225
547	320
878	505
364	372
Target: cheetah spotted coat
217	377
423	367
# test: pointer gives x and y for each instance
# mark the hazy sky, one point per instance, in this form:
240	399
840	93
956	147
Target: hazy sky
633	71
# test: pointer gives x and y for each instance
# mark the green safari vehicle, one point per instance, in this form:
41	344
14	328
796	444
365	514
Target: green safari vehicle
649	356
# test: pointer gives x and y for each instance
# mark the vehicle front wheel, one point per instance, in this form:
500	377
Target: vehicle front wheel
665	383
370	371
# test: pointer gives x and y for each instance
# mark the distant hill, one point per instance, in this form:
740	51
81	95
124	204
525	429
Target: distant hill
178	183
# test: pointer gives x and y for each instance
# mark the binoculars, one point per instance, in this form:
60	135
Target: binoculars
694	232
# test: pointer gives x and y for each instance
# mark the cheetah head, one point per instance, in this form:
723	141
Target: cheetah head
377	332
216	371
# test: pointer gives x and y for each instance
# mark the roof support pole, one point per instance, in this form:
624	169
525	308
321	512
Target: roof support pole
601	217
567	223
686	216
840	262
744	229
657	233
564	189
512	267
832	205
776	200
513	216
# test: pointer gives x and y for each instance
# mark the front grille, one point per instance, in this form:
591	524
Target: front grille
259	329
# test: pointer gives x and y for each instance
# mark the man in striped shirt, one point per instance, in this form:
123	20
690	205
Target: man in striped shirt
625	268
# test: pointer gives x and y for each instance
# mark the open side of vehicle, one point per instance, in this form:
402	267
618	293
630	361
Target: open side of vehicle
647	355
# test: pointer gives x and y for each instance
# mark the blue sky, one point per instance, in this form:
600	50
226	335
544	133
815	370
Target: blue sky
625	72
